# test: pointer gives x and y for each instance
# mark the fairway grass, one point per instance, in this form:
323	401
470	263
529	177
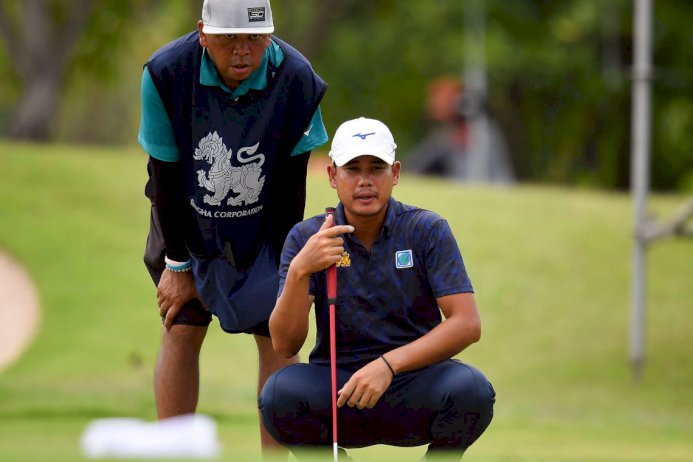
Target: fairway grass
550	267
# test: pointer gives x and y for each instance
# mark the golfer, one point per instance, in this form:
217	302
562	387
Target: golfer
398	267
230	115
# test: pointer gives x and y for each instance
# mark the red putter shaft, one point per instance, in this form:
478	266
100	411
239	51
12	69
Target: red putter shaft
332	299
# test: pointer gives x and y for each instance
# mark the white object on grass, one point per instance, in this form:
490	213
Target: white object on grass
186	436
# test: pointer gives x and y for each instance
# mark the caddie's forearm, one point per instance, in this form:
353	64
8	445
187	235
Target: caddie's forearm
169	202
289	320
289	197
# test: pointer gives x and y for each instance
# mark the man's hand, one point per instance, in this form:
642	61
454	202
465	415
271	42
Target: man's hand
175	289
322	249
366	386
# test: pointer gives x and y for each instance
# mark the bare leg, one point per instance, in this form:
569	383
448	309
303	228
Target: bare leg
270	362
177	374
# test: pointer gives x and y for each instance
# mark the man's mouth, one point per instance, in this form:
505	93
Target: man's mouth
241	67
365	196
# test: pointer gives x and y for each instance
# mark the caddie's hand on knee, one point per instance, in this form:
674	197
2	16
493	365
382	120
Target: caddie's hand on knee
324	248
366	386
174	290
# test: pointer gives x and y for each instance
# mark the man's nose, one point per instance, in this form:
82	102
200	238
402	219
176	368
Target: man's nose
365	179
241	48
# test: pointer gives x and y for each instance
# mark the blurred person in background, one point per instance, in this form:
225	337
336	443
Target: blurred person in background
230	114
464	144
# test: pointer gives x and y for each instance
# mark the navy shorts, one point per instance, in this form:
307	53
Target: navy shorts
447	405
193	312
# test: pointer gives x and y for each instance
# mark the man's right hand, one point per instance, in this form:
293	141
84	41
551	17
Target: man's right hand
175	289
322	249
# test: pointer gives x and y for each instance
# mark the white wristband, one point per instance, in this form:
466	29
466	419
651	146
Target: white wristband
170	262
176	266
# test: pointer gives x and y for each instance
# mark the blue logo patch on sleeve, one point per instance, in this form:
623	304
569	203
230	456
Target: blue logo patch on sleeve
404	259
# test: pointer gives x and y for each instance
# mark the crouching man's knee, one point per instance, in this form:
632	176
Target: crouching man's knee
467	413
288	412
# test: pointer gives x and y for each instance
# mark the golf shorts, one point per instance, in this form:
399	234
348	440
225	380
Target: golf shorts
193	313
447	405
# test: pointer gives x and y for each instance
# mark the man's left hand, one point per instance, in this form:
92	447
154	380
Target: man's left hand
366	386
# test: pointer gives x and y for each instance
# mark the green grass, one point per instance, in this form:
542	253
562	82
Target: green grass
551	268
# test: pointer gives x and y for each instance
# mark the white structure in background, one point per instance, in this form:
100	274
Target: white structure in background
488	158
187	436
645	231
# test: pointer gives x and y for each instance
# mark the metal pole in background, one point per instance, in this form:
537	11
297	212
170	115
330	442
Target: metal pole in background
476	87
640	175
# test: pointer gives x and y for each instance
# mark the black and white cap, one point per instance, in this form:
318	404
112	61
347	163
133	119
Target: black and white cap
237	17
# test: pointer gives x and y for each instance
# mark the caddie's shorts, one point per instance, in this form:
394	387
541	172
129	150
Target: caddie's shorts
193	312
240	299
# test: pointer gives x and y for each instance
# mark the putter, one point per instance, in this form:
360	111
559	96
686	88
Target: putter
331	299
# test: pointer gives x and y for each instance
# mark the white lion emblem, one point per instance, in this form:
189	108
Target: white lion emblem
246	181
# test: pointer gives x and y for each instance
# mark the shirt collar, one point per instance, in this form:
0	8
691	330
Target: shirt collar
210	77
392	212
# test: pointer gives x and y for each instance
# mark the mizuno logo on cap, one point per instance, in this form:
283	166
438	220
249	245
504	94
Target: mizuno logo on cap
363	136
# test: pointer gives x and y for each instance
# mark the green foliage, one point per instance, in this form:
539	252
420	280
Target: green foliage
550	268
559	75
558	79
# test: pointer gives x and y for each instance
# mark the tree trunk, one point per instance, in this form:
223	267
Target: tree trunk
40	55
36	108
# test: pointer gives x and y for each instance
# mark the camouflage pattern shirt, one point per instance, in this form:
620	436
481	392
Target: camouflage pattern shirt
386	298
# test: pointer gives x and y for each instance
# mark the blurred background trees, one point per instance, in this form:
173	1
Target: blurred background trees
558	73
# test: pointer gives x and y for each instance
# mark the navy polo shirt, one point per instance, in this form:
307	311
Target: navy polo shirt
385	298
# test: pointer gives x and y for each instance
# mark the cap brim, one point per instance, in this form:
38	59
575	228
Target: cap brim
341	158
213	30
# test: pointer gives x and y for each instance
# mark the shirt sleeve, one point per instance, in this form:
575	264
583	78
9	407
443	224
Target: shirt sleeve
314	136
447	273
156	131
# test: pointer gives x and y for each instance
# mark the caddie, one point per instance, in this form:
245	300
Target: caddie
230	114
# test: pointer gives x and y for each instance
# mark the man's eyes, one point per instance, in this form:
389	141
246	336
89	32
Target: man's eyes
374	168
250	36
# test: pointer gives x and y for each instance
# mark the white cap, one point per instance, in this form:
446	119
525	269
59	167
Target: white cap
237	17
362	137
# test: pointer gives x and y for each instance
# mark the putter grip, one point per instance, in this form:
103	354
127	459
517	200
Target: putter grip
331	270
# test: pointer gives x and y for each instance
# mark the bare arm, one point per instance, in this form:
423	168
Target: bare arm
289	320
461	328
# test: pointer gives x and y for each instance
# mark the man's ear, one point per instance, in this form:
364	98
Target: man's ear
331	172
203	37
396	167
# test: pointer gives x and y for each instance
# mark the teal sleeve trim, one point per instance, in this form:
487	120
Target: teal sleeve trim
156	132
314	136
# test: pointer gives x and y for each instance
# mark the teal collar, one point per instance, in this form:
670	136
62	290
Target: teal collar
210	77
